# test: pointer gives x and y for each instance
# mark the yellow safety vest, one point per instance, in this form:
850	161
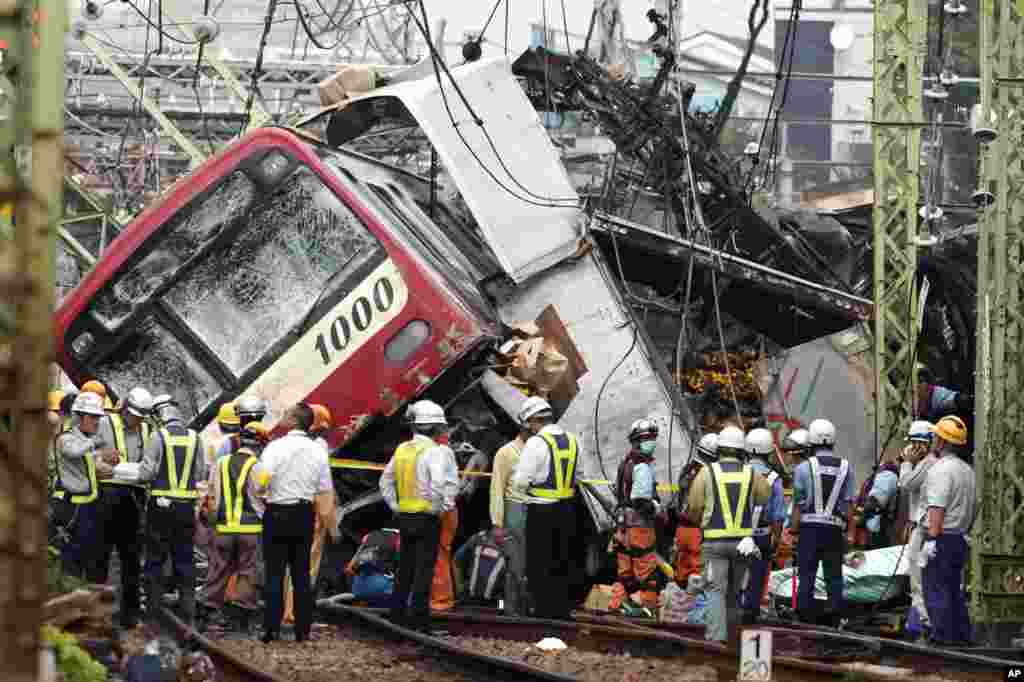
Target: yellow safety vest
732	514
561	480
406	456
85	498
233	499
177	482
117	424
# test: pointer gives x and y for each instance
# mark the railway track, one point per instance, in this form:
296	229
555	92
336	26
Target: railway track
482	645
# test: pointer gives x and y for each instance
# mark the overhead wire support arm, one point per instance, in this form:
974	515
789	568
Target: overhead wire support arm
153	108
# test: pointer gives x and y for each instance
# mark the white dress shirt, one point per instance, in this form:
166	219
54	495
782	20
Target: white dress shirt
535	464
298	469
951	486
437	478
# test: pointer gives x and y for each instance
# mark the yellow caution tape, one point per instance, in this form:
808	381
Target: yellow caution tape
341	463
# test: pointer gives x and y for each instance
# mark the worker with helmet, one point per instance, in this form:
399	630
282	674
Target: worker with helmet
247	409
419	484
322	424
635	593
795	448
121	501
99	388
878	504
822	493
722	499
292	473
174	463
951	497
688	539
324	505
767	520
236	515
508	515
81	460
546	477
917	460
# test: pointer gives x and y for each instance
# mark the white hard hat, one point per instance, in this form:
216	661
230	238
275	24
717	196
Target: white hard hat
88	403
796	440
708	445
162	399
760	442
643	429
921	431
427	412
731	437
532	407
821	432
139	402
250	406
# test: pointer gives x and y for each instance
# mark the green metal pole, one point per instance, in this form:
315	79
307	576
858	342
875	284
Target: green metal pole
997	558
899	42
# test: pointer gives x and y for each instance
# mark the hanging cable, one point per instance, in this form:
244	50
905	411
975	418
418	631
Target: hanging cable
440	64
157	27
254	86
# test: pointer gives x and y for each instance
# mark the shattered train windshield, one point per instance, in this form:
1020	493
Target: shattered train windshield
152	357
180	238
298	242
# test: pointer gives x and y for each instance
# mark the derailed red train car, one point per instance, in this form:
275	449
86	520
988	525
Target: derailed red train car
273	270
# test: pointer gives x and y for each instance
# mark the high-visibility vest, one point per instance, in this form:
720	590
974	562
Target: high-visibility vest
828	476
59	492
175	478
235	513
762	526
561	481
732	512
406	456
117	426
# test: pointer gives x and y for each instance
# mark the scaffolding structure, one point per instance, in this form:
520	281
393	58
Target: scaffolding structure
31	178
998	537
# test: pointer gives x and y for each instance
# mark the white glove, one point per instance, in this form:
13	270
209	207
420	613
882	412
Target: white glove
928	552
748	548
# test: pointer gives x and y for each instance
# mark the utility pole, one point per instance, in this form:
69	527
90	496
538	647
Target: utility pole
900	50
33	82
997	560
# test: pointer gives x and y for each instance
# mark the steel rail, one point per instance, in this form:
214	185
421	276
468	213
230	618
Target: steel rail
629	637
221	656
338	612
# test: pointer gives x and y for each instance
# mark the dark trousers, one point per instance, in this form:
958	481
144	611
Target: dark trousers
758	571
947	606
80	523
825	544
550	536
419	540
119	509
287	541
170	532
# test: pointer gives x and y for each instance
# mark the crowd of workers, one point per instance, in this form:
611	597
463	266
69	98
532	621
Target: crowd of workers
112	465
249	493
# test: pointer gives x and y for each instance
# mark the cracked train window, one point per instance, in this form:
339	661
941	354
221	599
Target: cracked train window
151	356
177	241
300	247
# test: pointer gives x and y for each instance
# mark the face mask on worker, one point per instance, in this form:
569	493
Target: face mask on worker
647	447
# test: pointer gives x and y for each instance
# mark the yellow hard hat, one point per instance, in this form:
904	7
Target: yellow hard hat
952	429
54	399
94	386
226	415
